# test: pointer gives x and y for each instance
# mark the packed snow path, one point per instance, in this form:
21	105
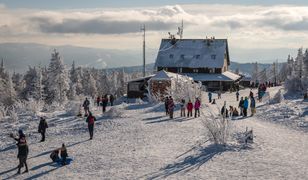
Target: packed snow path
145	144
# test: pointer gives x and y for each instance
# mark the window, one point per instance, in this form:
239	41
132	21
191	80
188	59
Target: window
195	70
171	56
213	56
197	56
182	56
211	71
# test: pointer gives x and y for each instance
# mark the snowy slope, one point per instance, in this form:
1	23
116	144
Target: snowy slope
137	141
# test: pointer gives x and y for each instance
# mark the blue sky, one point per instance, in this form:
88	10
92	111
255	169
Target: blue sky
63	4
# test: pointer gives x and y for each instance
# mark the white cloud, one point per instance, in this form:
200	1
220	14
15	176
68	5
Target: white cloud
246	27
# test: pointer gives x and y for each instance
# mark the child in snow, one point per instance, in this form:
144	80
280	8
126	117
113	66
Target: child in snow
90	120
189	108
42	128
245	106
253	106
237	95
171	107
210	97
166	105
213	102
54	156
63	154
197	107
182	108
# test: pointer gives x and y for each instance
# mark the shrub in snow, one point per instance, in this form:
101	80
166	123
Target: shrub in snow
73	108
293	85
217	126
13	114
116	112
278	98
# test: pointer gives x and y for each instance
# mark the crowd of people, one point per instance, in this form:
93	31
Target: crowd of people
184	107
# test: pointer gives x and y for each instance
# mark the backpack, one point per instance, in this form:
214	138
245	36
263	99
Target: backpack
91	120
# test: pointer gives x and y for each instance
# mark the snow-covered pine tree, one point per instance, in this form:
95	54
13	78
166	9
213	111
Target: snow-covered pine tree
18	82
263	76
89	84
306	64
255	73
7	91
33	84
57	80
75	81
299	63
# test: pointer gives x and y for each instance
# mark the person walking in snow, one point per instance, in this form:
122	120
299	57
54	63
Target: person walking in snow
42	128
252	106
104	102
166	105
210	97
98	101
219	94
23	150
171	107
237	95
111	99
246	103
90	120
197	107
86	107
63	154
189	108
182	108
251	94
241	106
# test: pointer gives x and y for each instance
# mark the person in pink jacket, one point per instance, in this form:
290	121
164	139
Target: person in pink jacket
197	107
190	107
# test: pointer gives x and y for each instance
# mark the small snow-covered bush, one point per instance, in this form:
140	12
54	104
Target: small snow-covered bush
295	84
73	108
116	112
218	127
278	98
13	114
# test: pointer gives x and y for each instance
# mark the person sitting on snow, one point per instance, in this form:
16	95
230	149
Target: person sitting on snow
63	154
54	156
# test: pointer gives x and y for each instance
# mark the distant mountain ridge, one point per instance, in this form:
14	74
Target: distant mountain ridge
18	56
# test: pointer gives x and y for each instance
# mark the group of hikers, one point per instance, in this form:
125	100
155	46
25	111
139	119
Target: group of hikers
100	101
189	106
23	148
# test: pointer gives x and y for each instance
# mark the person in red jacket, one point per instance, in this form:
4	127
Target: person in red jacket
197	107
90	120
189	108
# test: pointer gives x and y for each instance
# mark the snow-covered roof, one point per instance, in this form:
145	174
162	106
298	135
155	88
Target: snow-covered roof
163	75
192	53
141	78
226	76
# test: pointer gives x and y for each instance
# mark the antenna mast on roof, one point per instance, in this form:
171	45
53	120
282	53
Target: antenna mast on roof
180	30
143	29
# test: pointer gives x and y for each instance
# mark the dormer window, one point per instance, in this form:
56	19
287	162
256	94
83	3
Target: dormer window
197	56
213	56
171	56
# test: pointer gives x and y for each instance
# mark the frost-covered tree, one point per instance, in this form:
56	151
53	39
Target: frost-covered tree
263	76
33	84
299	63
18	82
305	63
57	80
7	91
89	84
75	81
255	73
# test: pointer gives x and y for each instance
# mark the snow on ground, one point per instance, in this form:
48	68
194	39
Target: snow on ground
137	141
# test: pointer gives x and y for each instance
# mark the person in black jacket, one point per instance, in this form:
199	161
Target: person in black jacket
90	120
42	128
23	150
241	106
111	99
63	154
86	107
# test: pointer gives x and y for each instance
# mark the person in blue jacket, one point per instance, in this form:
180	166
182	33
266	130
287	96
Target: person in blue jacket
246	103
